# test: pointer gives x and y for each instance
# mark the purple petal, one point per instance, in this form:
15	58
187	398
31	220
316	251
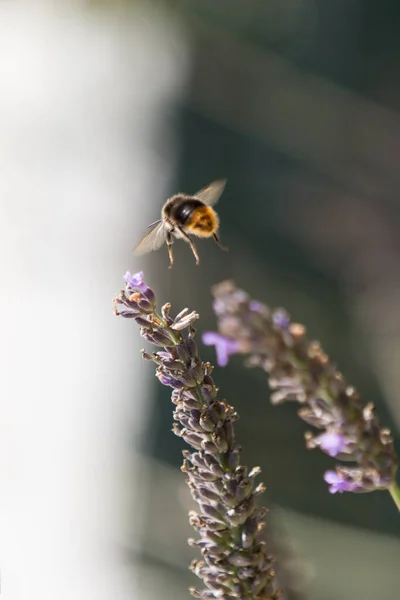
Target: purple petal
135	280
332	443
167	379
224	347
256	306
281	318
338	483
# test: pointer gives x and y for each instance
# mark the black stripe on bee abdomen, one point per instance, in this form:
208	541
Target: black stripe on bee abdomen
183	209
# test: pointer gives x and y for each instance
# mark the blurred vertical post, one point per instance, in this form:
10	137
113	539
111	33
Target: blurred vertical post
86	152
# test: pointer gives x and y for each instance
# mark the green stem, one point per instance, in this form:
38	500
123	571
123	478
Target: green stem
394	491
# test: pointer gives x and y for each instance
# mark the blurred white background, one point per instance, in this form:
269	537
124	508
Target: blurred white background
85	151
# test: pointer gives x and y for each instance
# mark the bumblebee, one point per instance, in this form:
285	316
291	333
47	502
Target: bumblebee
182	216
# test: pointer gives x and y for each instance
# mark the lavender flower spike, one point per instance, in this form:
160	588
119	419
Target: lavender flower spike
300	370
235	561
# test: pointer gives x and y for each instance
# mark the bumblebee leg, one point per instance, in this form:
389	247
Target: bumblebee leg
218	241
191	244
170	252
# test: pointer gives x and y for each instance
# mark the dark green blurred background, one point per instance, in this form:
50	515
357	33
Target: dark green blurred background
296	103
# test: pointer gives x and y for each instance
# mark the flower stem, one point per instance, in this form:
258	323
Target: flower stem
394	491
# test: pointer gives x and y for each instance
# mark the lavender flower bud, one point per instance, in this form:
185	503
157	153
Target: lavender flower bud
182	321
127	314
158	337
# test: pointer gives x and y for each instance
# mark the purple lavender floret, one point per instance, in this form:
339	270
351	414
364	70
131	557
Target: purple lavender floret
338	483
300	370
224	347
135	280
235	561
280	318
332	443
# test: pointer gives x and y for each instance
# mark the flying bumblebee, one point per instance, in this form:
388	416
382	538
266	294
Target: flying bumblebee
182	216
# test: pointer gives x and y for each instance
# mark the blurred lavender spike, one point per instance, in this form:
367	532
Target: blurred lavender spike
300	370
235	561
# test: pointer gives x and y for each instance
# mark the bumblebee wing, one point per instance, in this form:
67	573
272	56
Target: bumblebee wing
152	240
211	194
